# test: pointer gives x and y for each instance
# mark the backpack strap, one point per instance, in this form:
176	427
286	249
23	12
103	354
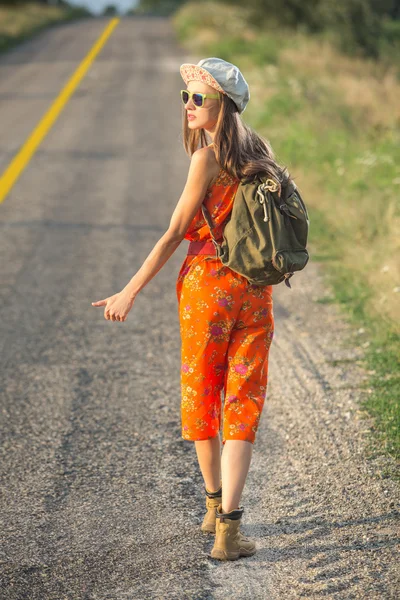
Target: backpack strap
207	217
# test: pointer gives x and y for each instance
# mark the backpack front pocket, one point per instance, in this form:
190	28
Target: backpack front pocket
289	261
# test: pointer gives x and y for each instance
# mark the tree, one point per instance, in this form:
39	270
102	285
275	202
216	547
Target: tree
110	10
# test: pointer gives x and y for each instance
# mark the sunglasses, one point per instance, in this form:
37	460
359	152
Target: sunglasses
198	98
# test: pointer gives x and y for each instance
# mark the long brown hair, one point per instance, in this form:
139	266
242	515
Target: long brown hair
238	149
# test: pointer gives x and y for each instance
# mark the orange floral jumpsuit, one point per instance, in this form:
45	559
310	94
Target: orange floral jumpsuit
226	327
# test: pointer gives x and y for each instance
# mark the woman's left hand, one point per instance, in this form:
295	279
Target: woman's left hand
117	307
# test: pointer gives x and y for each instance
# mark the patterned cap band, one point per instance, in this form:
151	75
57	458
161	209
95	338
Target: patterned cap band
191	72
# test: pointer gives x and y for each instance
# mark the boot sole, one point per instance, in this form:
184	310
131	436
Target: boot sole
222	555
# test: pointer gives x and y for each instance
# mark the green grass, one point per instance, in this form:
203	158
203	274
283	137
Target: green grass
22	21
380	396
260	50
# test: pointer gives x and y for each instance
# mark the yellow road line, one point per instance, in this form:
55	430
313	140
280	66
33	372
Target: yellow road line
23	157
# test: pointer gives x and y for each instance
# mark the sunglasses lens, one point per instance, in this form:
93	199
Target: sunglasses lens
185	97
198	99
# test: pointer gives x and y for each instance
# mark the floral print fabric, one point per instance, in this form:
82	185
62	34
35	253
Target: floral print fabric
226	327
219	200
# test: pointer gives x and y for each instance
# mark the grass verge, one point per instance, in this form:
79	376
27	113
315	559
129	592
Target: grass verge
22	21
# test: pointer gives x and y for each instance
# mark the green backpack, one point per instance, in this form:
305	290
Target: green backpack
265	235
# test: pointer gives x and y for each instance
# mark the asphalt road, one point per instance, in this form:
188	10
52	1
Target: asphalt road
101	497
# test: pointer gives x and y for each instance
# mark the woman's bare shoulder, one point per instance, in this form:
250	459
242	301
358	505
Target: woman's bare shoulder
212	167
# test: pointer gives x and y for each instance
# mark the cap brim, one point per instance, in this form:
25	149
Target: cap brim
190	72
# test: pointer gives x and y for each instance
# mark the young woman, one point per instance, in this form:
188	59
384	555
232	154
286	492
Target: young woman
226	324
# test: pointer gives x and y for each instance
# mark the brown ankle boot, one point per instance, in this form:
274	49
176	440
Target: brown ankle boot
212	501
230	543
